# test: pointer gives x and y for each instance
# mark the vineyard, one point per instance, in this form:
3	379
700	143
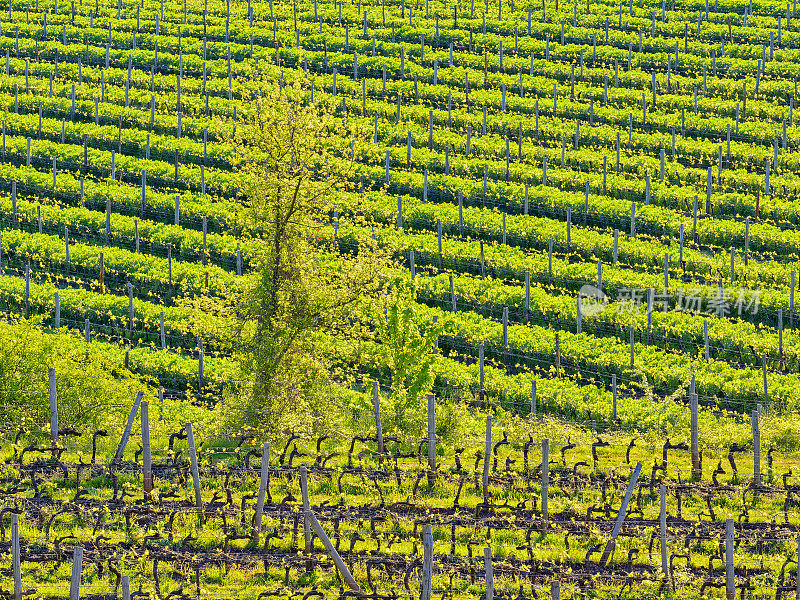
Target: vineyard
600	202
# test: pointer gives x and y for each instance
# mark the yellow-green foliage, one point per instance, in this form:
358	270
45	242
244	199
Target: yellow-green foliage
92	390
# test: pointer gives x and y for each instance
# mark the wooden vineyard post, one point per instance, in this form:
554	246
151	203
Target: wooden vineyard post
697	471
623	509
600	275
262	492
480	367
400	212
66	249
460	214
555	590
108	219
545	480
147	459
569	228
130	309
663	531
487	563
16	567
376	401
345	572
200	379
730	575
427	562
558	356
439	239
487	458
126	587
505	331
431	439
746	239
533	397
28	288
205	244
614	397
198	497
633	352
306	509
77	568
756	448
527	296
53	410
128	426
169	267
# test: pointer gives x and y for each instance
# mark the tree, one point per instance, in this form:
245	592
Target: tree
93	389
407	351
303	289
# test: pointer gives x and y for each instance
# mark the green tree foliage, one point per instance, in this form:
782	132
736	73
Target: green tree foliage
302	288
93	388
407	346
